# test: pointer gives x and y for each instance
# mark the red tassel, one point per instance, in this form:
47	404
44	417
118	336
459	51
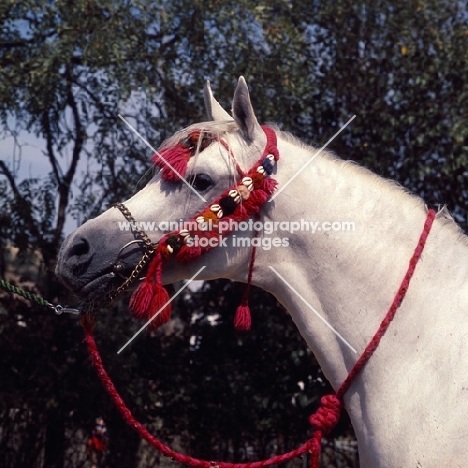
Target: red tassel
141	300
147	301
257	199
242	319
178	157
160	297
269	185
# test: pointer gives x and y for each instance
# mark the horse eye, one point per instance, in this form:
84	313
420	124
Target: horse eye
201	182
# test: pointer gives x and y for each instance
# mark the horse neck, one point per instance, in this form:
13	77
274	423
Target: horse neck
348	277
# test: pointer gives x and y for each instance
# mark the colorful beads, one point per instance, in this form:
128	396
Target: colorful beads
228	205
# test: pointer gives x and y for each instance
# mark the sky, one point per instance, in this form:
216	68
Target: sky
26	159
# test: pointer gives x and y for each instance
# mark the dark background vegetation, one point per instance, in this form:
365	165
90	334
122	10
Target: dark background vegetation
67	68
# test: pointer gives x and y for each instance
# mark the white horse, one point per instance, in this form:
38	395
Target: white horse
409	405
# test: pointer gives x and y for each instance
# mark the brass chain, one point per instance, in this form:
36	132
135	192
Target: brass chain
128	216
135	273
150	248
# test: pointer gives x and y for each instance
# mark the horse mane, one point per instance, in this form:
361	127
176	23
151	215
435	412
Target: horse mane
354	168
401	193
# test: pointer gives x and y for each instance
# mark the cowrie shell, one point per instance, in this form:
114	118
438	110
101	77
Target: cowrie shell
271	158
246	181
184	233
235	195
217	209
169	248
202	223
261	170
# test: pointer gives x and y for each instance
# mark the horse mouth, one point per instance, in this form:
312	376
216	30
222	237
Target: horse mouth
91	276
98	288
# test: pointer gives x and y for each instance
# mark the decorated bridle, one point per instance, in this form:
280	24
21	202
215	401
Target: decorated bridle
150	301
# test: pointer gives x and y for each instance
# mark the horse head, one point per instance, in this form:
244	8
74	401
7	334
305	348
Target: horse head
204	181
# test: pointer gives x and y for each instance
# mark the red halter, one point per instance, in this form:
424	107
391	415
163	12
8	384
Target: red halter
236	204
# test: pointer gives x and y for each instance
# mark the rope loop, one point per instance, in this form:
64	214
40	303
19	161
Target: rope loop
327	415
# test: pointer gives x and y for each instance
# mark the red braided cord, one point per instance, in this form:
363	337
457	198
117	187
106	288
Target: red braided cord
253	255
96	361
372	346
239	169
323	420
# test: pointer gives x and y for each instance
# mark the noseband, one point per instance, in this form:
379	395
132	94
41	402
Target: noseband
150	247
236	204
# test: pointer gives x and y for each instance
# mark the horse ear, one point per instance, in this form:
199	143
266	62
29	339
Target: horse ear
243	111
213	107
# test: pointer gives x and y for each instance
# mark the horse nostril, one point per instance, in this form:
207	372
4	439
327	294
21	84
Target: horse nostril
79	248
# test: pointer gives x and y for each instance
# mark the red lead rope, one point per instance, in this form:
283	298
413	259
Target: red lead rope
323	420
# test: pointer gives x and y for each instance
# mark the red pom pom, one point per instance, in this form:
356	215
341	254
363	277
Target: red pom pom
141	300
242	319
257	180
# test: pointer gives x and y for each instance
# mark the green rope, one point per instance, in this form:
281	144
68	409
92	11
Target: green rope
21	292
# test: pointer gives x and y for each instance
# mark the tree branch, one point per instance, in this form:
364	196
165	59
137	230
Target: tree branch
50	147
11	179
64	185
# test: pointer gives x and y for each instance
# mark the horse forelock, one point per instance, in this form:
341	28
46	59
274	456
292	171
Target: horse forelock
218	129
240	151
